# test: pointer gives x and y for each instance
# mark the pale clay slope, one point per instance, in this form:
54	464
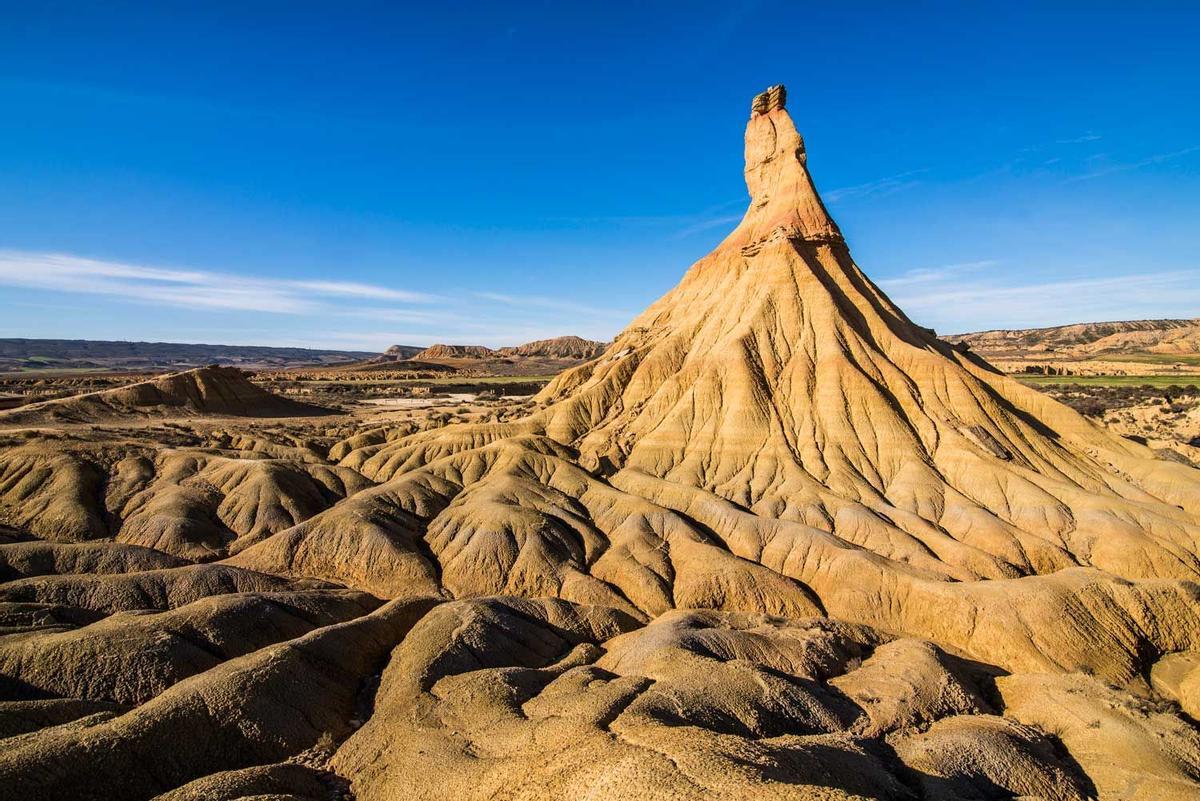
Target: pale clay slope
775	542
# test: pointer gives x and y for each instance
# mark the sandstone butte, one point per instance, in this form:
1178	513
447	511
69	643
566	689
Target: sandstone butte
775	542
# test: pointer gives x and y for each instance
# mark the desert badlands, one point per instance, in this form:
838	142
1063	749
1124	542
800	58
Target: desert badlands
776	542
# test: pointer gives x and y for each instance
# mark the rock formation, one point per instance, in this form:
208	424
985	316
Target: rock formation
776	541
540	358
454	352
402	351
568	347
1113	339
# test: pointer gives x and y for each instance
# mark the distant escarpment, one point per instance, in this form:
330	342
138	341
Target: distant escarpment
454	352
568	347
1111	340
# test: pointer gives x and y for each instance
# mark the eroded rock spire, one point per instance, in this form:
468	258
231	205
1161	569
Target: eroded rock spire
773	98
783	201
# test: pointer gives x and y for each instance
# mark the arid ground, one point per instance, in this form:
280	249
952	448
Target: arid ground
774	541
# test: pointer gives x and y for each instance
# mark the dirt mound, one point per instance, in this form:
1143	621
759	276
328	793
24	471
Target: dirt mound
251	710
209	390
696	704
130	657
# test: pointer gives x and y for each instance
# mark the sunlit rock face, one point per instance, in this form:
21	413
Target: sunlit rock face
775	541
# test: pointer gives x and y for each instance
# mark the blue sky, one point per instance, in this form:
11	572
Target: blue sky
360	174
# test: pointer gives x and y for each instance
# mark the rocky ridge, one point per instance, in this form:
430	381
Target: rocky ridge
1088	340
568	347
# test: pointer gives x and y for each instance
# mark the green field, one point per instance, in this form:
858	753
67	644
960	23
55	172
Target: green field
1191	359
1110	380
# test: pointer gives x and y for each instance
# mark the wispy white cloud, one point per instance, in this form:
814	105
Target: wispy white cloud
393	315
958	302
925	276
881	186
540	302
684	224
712	222
355	290
186	288
1109	169
345	313
1079	140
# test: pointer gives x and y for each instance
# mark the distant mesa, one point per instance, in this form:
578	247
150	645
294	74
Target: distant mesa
565	347
568	347
455	352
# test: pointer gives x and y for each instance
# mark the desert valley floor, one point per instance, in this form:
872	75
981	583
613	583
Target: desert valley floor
776	541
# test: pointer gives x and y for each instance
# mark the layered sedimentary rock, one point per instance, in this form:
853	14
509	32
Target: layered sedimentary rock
568	347
455	352
777	541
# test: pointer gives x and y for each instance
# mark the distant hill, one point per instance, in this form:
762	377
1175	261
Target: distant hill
65	354
455	352
568	347
223	391
402	351
1111	340
544	357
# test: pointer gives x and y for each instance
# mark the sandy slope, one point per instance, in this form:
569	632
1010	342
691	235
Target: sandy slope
777	542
